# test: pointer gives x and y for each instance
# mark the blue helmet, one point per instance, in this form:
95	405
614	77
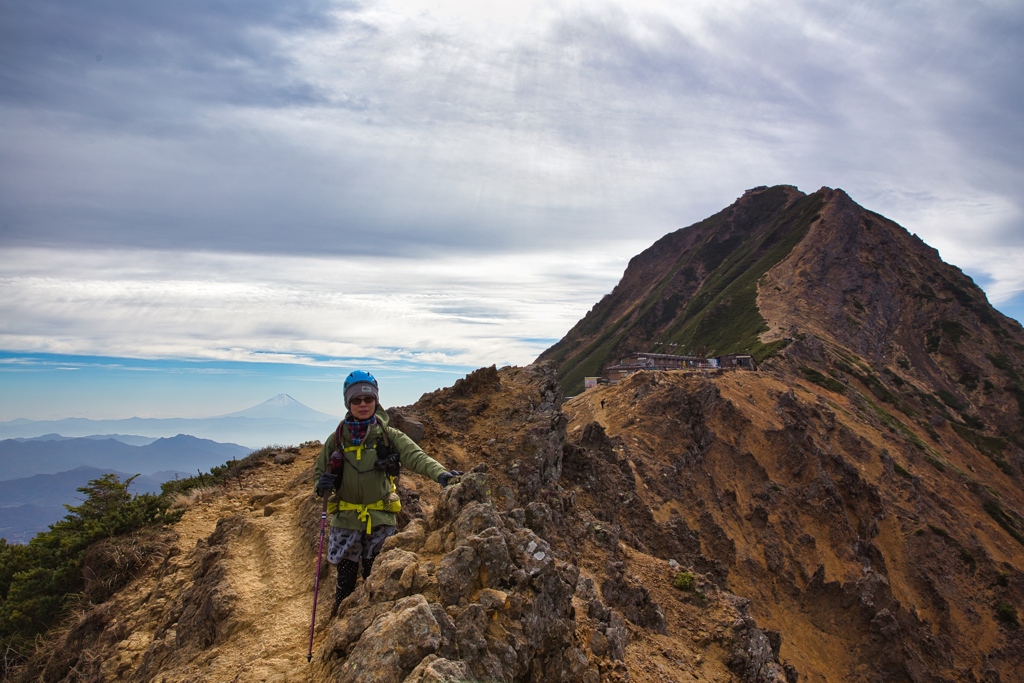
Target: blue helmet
360	383
359	377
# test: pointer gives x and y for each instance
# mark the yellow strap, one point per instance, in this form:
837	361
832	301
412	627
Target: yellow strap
364	510
357	449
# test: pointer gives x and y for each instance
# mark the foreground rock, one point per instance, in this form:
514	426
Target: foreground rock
468	593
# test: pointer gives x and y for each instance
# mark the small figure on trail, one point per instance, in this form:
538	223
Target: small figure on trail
602	404
357	468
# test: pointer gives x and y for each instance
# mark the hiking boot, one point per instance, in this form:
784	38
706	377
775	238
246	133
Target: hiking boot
367	566
348	572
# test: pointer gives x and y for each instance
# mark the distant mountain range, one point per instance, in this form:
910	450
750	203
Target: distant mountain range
130	439
44	462
280	420
31	504
180	453
38	476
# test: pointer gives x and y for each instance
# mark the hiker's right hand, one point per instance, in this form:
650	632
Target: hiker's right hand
326	483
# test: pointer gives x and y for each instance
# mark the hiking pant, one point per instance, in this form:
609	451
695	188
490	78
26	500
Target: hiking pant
348	548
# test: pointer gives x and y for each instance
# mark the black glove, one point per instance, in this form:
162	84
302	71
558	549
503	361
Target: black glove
325	484
445	477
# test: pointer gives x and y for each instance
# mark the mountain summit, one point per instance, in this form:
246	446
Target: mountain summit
282	407
826	278
694	289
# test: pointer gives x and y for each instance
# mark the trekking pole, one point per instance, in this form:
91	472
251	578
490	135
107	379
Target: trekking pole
316	582
333	466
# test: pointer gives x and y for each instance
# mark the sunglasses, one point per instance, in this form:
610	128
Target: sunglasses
359	400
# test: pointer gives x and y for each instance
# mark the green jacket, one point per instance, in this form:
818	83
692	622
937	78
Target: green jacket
361	482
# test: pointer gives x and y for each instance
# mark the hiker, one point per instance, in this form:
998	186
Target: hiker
357	468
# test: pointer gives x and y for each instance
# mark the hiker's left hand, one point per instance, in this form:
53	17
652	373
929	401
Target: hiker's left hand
445	477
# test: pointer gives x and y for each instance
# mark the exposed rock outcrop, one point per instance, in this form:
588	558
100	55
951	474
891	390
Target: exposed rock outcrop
476	592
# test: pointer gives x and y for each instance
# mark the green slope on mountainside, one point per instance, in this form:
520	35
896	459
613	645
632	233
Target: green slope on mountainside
695	288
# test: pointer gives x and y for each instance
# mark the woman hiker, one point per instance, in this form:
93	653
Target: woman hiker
357	467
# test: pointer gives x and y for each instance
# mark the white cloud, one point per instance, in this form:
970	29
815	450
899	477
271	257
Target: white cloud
447	125
447	181
450	311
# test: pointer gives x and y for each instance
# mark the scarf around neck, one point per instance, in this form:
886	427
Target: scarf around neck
357	428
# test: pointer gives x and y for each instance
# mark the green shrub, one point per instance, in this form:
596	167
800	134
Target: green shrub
1004	520
38	580
1015	386
893	377
901	470
823	380
1018	393
874	384
992	446
894	426
684	581
1006	612
845	367
954	331
950	400
1003	363
968	380
973	421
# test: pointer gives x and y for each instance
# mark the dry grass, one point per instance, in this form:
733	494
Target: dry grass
183	501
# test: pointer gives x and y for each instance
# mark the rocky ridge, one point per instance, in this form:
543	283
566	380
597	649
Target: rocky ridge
502	576
727	527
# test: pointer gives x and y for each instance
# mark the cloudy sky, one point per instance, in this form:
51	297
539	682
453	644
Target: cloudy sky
203	204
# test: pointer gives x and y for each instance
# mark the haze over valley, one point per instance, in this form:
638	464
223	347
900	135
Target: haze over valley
42	463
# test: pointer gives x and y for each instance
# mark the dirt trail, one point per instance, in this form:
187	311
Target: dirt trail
269	575
272	576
